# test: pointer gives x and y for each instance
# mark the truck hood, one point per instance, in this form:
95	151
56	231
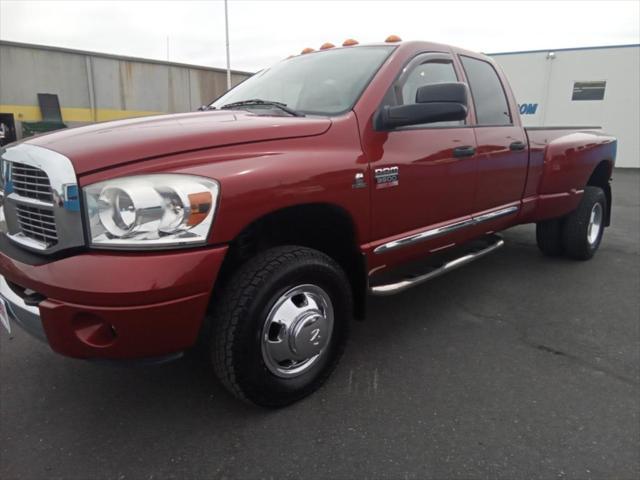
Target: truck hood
104	145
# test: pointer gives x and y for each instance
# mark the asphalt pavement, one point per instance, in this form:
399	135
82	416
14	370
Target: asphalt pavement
516	366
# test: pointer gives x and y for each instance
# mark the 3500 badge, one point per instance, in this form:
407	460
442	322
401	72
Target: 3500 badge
387	177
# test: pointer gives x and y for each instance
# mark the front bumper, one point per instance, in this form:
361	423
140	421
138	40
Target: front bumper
113	305
27	316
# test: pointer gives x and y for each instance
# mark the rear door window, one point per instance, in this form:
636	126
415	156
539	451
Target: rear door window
489	98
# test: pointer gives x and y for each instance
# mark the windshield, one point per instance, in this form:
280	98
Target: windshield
325	83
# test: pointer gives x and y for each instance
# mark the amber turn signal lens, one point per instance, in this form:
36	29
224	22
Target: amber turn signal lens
327	45
307	50
393	39
200	204
349	42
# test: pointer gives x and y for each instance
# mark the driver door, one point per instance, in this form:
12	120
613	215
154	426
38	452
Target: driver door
434	189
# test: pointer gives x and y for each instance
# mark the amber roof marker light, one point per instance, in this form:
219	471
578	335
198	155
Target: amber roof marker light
393	39
349	42
307	50
326	46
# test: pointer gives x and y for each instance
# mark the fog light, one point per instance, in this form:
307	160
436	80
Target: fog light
93	331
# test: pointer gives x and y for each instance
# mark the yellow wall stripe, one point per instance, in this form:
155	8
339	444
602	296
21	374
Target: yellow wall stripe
30	113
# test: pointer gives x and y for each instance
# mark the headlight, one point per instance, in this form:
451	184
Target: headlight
146	211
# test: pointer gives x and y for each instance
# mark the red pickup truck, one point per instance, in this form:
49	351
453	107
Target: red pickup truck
258	226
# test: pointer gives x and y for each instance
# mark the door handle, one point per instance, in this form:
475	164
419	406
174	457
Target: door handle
517	146
466	151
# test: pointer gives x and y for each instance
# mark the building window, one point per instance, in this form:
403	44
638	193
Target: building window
588	90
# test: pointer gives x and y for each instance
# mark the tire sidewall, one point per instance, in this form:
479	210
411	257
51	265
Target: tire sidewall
576	226
251	368
593	247
595	196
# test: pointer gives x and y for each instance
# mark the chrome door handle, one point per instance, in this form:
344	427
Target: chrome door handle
465	151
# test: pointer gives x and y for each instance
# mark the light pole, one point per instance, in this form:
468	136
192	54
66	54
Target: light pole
226	32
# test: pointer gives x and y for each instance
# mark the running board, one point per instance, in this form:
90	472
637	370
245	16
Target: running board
495	242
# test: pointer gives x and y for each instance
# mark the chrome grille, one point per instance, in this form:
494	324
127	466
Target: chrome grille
30	182
38	224
41	199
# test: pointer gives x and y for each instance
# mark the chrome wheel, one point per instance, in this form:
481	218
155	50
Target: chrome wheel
297	330
595	224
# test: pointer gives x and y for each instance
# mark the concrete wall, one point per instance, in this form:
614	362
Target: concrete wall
95	87
547	80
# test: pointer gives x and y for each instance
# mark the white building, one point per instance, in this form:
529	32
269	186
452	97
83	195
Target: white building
581	86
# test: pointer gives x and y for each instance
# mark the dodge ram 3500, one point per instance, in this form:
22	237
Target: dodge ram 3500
258	226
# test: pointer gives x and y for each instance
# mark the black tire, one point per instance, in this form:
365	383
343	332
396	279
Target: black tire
575	229
549	237
245	304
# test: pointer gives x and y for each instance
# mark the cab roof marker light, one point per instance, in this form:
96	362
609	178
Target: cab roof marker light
307	50
393	39
326	46
349	42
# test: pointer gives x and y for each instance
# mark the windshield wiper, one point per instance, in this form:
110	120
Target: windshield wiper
257	101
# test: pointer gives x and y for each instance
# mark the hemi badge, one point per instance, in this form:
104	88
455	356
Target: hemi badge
358	181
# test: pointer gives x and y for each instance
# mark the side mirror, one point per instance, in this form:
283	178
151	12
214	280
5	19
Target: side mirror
439	102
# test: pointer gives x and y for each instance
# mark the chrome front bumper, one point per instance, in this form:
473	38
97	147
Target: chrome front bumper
26	316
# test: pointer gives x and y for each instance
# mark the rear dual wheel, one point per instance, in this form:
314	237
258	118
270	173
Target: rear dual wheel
579	234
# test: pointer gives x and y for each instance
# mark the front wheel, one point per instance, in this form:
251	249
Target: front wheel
280	325
583	228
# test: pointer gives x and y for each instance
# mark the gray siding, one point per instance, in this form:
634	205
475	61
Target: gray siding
94	87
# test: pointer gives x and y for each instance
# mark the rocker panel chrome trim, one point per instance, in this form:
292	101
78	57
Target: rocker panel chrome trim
485	217
436	232
421	236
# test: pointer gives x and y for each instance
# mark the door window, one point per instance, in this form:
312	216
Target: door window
489	98
429	72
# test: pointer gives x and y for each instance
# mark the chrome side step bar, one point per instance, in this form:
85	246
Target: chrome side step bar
402	285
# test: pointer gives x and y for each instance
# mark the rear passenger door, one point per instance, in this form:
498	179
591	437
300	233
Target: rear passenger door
502	153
